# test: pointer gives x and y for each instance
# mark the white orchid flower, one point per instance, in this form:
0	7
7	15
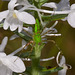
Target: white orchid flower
63	65
27	6
9	63
14	19
62	5
71	16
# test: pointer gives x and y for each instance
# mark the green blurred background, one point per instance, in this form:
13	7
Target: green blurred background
66	42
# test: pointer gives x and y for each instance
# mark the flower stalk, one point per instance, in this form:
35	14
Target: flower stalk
37	50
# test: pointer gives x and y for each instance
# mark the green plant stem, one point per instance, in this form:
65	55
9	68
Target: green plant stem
36	61
37	50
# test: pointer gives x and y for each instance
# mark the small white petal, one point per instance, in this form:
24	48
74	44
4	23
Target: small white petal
24	43
64	19
62	61
73	6
2	54
51	5
29	30
20	27
3	44
7	21
62	72
47	59
18	50
11	4
14	63
49	30
71	19
6	25
14	37
14	23
4	70
3	15
25	17
63	5
57	59
53	34
45	30
20	74
13	27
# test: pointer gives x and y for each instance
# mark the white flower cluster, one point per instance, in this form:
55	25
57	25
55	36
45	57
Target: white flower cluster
62	64
9	63
63	5
15	18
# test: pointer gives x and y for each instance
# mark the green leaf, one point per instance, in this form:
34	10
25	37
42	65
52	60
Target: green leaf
23	36
54	17
48	71
27	25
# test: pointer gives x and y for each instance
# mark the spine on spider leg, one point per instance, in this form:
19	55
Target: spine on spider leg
37	50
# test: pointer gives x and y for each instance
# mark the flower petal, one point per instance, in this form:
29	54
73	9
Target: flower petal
24	43
3	15
14	37
64	19
53	34
62	61
20	26
73	6
45	30
3	44
62	72
13	27
51	5
6	25
63	5
14	63
29	30
5	70
2	54
14	23
48	31
57	59
25	17
11	4
71	19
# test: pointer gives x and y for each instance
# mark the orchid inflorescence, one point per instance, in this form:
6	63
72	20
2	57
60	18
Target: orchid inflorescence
27	20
